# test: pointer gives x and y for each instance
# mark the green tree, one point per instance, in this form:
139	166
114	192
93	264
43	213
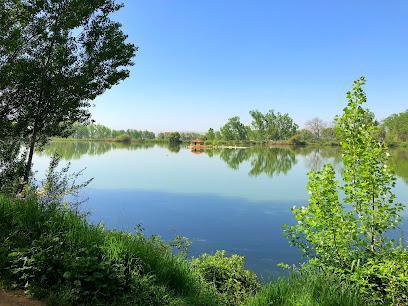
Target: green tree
335	232
210	134
174	138
272	126
234	130
396	127
55	58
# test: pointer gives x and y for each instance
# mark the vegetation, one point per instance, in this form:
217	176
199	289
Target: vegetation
307	287
228	275
101	132
59	56
52	252
396	128
349	236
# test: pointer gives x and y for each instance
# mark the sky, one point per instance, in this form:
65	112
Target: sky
201	62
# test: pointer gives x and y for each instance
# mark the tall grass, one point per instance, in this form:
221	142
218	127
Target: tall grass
47	250
309	289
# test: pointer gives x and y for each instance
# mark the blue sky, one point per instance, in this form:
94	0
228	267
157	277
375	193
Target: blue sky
203	61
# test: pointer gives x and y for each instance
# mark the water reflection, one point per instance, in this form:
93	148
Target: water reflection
268	161
399	163
74	150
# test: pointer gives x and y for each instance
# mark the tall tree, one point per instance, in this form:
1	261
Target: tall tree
234	130
55	58
316	126
272	126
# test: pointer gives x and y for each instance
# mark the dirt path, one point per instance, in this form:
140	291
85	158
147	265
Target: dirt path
17	298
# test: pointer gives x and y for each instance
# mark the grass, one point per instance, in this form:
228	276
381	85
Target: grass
54	254
309	289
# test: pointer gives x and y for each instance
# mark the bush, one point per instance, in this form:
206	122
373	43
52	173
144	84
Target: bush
228	275
385	279
123	138
297	140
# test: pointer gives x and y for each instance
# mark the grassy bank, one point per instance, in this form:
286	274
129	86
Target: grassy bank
54	254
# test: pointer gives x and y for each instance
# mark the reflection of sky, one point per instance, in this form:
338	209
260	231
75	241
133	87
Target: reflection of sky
201	198
157	169
160	170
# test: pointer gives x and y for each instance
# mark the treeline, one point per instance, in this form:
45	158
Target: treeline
271	127
275	127
101	132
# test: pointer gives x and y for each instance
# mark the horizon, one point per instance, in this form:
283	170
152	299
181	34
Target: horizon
200	64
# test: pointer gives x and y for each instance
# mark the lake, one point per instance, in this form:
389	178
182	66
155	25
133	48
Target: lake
222	199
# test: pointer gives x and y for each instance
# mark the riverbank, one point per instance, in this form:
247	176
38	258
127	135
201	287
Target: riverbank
55	255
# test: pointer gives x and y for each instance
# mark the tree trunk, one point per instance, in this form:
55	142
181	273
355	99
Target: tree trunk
30	156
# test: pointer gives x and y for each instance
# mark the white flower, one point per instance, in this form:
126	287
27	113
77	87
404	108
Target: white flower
299	222
293	207
385	166
388	154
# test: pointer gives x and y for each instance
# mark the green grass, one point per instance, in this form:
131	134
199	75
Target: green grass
55	254
309	289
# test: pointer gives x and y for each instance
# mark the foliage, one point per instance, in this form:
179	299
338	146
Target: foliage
307	287
177	137
396	127
316	127
210	134
59	56
60	187
234	130
272	126
384	278
228	275
340	234
123	138
174	138
50	251
101	132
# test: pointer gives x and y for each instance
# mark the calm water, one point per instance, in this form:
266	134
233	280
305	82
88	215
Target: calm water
230	199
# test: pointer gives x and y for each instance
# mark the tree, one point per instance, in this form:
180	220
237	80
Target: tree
334	231
210	134
234	130
272	126
174	138
55	58
396	127
316	126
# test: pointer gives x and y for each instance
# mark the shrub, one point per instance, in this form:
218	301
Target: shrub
228	275
297	140
123	138
385	278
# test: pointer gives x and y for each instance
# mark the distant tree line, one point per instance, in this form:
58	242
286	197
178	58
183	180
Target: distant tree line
264	127
100	132
277	127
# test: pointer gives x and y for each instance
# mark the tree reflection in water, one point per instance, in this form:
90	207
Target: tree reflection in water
270	161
